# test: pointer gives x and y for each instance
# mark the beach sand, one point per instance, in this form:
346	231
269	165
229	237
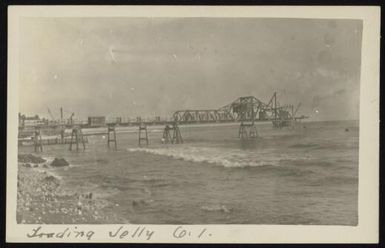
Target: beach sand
41	198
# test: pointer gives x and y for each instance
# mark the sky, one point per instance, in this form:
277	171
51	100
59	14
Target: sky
150	67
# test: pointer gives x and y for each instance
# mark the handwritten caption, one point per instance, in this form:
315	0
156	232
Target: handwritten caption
136	233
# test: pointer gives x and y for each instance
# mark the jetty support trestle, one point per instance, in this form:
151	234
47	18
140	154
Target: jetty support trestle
37	141
143	136
76	138
111	136
172	134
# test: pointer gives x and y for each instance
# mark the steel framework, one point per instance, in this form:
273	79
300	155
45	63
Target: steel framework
246	110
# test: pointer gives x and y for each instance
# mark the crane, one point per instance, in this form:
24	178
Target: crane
70	118
295	112
50	113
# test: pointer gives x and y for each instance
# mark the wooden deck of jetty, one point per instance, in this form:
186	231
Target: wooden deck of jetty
48	141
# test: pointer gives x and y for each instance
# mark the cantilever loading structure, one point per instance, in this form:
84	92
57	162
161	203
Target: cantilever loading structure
246	110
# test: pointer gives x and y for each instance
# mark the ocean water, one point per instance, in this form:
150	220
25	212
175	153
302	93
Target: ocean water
307	175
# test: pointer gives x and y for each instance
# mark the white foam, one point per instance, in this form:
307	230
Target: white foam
216	208
48	173
219	156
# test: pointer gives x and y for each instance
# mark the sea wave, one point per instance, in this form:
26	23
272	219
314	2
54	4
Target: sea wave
216	208
49	173
324	145
305	145
217	156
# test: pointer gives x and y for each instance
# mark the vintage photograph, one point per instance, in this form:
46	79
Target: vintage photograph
147	120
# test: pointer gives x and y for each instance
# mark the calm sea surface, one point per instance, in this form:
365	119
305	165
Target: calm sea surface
305	175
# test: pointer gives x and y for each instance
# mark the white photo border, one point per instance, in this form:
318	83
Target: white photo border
368	209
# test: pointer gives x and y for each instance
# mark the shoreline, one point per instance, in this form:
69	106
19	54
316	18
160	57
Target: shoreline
43	199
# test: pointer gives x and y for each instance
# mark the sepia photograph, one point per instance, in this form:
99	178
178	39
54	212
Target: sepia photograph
172	120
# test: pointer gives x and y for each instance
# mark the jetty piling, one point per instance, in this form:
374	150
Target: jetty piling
37	141
111	136
62	131
247	131
167	135
143	136
245	109
77	137
175	138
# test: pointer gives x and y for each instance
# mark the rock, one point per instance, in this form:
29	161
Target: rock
59	162
45	166
27	165
29	158
88	196
51	179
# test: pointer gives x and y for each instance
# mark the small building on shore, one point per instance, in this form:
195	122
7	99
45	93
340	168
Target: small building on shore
96	121
31	121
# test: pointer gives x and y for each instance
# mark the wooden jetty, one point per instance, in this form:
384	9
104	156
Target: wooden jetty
48	141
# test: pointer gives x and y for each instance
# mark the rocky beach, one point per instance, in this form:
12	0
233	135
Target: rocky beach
42	198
